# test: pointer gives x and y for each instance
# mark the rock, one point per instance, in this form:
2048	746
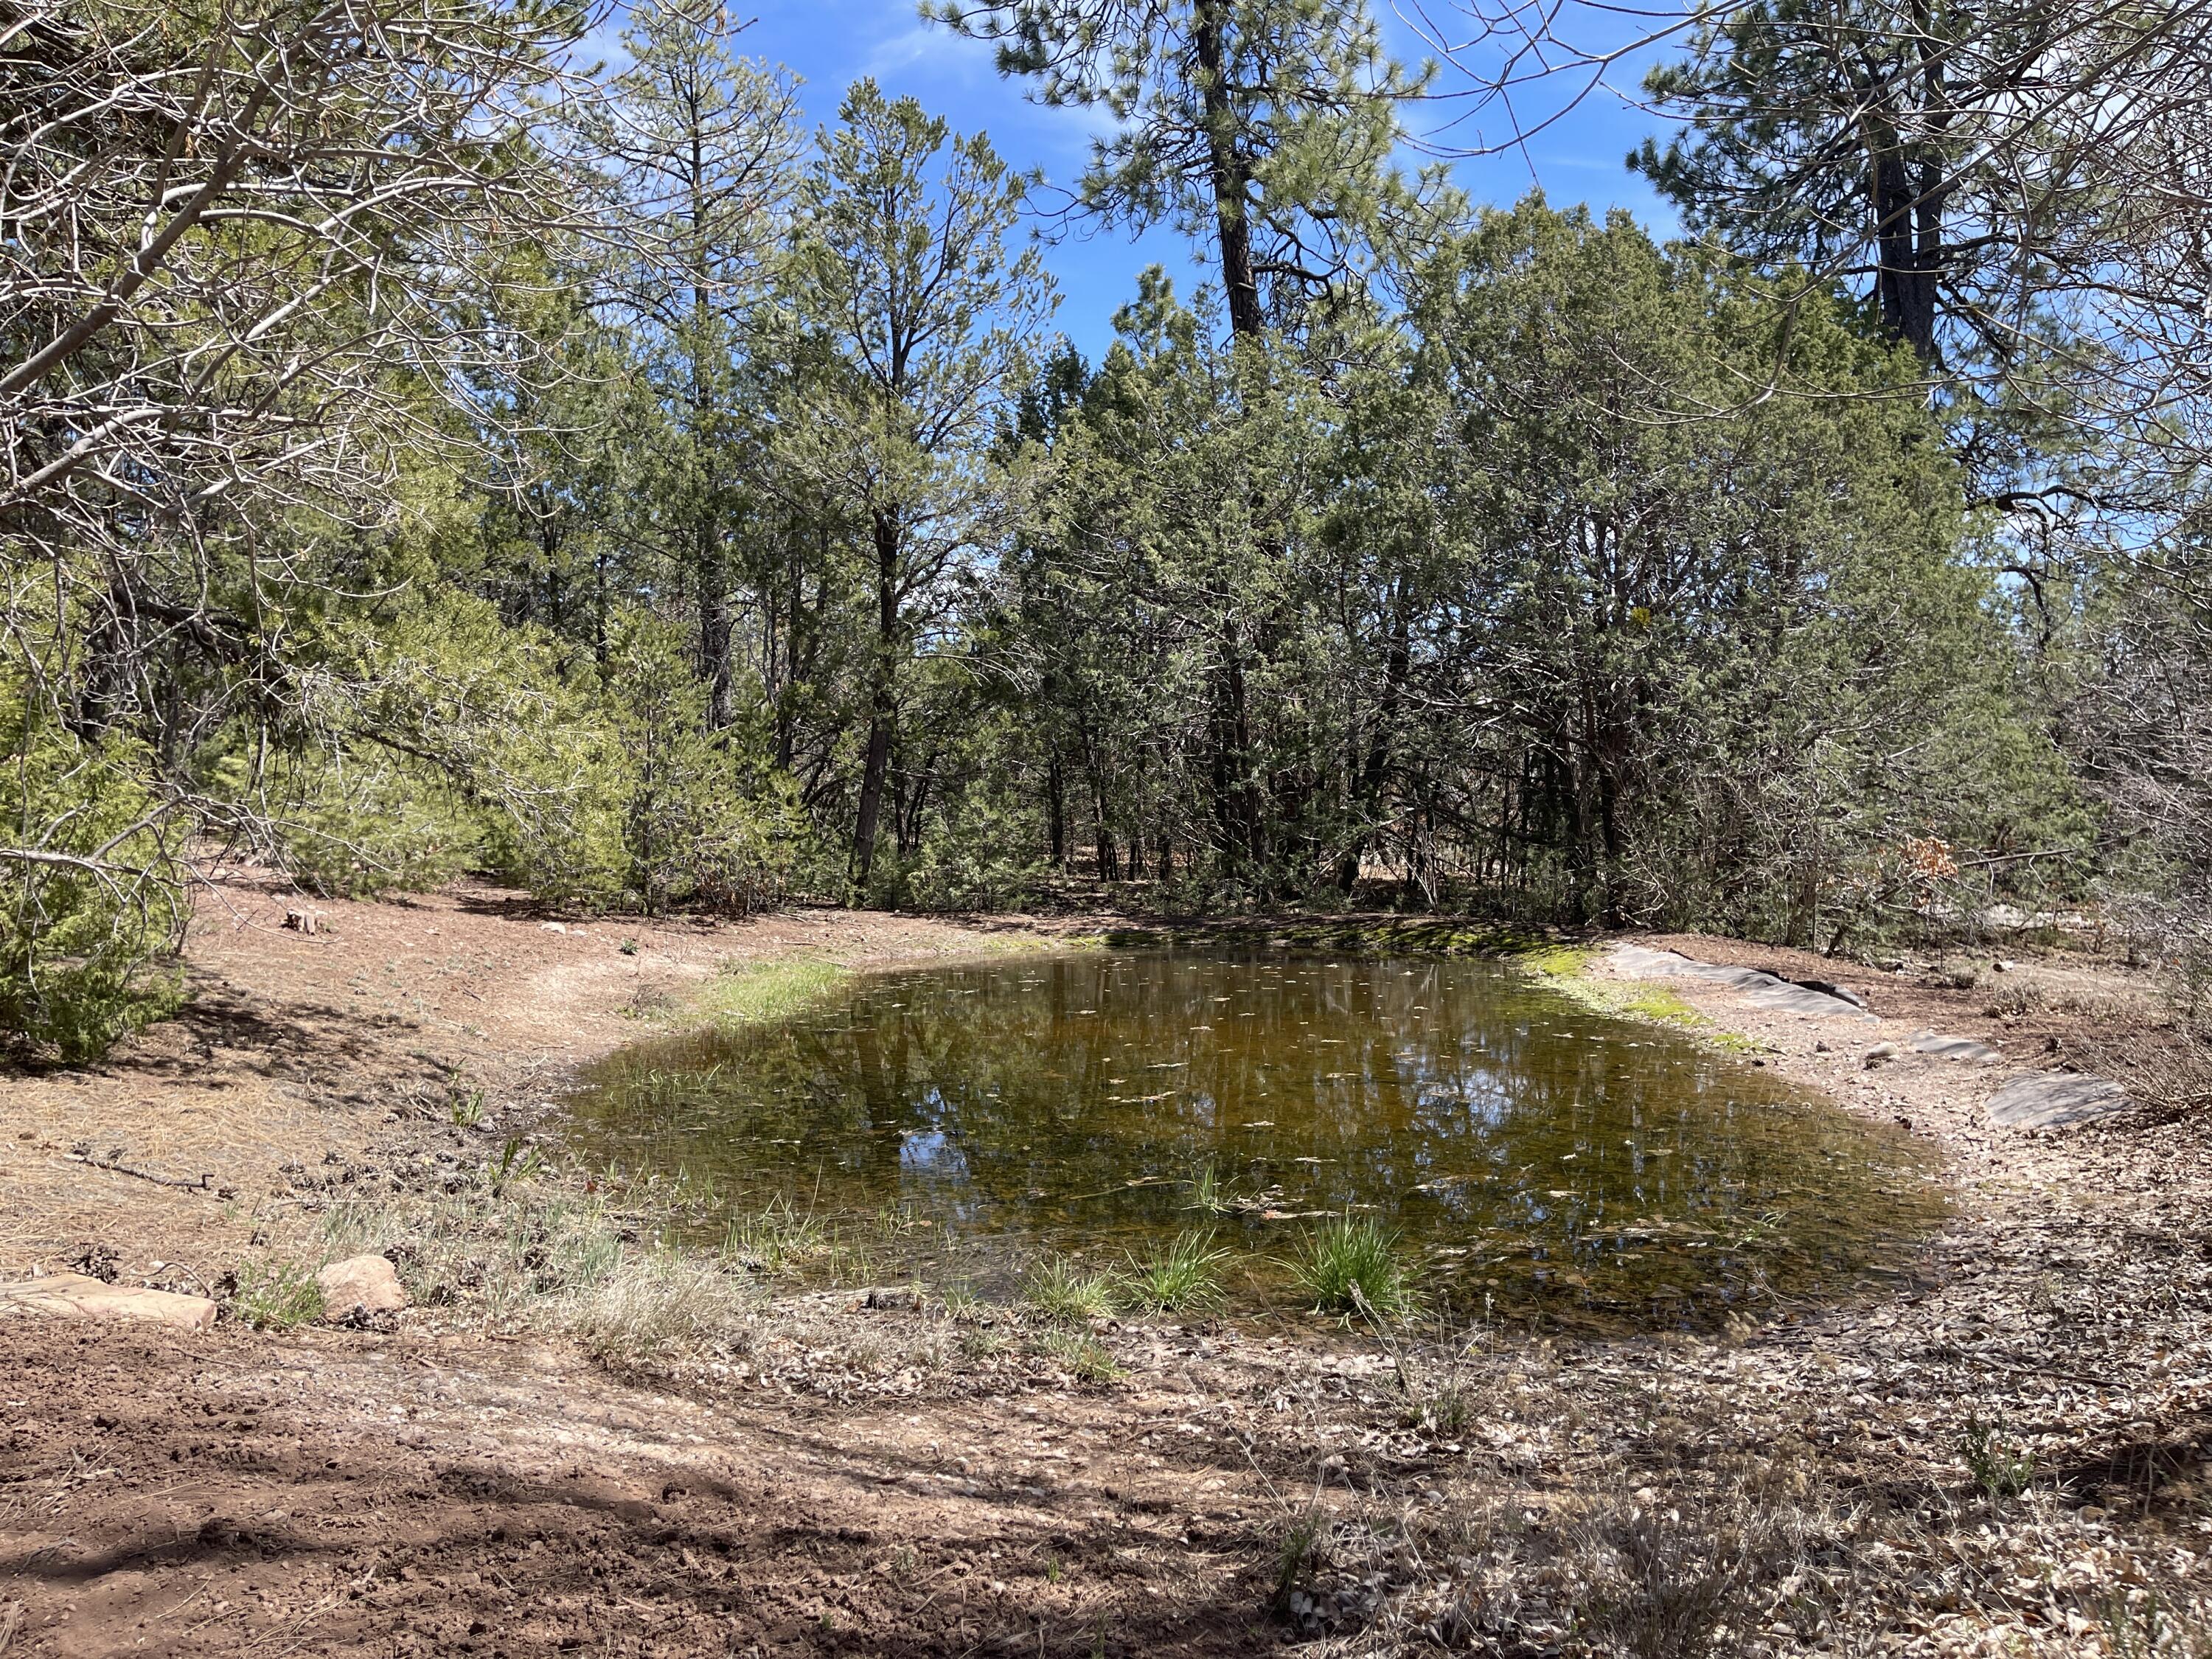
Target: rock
363	1284
1954	1047
80	1295
553	926
1828	988
1762	990
1881	1054
2053	1100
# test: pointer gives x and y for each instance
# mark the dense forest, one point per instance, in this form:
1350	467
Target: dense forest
432	450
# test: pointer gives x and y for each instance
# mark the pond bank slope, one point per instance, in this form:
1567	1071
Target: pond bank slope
2005	1453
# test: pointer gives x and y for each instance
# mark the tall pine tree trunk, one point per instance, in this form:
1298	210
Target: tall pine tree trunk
882	708
1230	178
715	631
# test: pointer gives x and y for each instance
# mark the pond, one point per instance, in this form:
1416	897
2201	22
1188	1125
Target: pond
1539	1159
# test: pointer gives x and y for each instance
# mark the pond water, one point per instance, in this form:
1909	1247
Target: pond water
1540	1159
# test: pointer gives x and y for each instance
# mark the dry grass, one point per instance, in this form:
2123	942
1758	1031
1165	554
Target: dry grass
2085	993
546	1259
1758	1561
654	1305
233	1131
2175	1074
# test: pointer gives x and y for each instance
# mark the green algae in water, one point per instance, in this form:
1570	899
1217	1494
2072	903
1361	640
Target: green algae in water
1535	1156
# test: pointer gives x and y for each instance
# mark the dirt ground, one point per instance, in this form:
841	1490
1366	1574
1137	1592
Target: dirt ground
855	1479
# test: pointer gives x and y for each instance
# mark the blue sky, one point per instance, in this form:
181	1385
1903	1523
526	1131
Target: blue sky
831	42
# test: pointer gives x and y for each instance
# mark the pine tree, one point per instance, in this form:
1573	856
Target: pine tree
903	268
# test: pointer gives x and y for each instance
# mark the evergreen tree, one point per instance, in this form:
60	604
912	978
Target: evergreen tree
698	145
1265	127
903	269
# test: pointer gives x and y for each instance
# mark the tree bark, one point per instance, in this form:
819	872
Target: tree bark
882	707
1909	247
1228	175
716	632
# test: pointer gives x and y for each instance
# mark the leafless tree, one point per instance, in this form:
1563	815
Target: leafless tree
233	259
240	249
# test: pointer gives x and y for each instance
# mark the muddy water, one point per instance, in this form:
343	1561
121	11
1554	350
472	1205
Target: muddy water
1540	1159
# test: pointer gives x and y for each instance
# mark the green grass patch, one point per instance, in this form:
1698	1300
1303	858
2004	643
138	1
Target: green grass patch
1648	1002
1063	1292
1565	970
1180	1276
1556	961
750	993
276	1295
1352	1265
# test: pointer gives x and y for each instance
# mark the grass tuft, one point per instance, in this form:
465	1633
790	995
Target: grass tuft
1301	1549
1180	1276
1083	1355
1061	1291
276	1295
2000	1466
774	1238
960	1301
1207	1193
652	1304
1353	1265
980	1342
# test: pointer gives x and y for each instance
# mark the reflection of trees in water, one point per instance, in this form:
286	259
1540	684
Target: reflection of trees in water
1464	1100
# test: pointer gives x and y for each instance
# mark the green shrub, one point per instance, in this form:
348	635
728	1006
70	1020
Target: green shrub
706	819
597	785
638	804
985	859
360	822
92	902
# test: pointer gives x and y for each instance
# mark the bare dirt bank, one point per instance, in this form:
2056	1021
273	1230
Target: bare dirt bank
896	1481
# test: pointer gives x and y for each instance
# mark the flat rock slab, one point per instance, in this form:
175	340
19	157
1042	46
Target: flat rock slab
1762	990
79	1295
1955	1048
2053	1100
